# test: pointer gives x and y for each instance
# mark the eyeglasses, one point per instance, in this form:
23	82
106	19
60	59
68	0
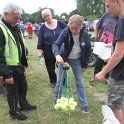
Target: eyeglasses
15	17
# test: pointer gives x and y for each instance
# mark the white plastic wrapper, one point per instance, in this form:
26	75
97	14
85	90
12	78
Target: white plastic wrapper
42	60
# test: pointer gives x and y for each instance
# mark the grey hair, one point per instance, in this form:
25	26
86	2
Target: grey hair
12	8
76	21
45	11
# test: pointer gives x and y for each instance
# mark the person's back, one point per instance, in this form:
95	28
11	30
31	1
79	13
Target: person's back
30	29
21	27
37	28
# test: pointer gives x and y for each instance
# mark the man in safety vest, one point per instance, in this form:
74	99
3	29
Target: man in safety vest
13	62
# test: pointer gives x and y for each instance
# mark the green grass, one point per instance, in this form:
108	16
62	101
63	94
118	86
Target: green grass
41	94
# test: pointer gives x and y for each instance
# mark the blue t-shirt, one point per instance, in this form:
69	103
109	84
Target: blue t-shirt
107	24
118	72
49	36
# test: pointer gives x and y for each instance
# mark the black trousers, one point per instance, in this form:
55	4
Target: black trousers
50	63
99	65
16	93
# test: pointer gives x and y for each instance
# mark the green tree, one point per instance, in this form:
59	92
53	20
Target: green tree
25	17
76	11
37	18
90	7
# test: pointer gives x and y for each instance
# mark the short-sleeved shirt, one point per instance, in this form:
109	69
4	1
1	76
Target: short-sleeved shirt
118	71
107	24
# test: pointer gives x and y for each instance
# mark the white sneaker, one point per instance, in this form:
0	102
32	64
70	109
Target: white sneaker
109	115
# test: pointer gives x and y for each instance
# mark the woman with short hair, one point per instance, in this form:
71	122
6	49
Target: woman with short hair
48	34
73	46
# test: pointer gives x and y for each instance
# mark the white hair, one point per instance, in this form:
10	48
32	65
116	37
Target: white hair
12	8
45	11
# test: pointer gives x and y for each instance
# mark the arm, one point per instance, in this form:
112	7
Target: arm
40	41
113	61
87	50
57	45
4	69
96	34
5	72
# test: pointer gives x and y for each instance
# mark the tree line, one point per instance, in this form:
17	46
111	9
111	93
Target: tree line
90	9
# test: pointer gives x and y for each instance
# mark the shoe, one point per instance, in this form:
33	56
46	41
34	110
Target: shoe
18	115
109	115
28	107
85	110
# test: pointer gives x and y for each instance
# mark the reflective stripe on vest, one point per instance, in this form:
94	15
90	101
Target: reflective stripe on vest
11	50
10	47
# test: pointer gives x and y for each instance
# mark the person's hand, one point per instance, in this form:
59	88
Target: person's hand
40	53
99	76
9	80
59	59
96	38
1	80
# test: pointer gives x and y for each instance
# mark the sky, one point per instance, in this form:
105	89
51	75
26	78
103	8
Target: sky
30	6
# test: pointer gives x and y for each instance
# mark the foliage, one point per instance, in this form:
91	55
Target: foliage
90	7
26	17
86	8
36	16
76	11
41	94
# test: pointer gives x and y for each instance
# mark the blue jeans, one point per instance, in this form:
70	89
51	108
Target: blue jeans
77	71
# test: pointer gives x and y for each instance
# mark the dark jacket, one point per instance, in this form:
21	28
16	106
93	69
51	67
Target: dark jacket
49	36
4	68
64	44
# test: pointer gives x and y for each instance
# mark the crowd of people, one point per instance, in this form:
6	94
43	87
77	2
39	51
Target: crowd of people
60	42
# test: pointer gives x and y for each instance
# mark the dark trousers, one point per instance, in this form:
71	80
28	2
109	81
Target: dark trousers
50	63
99	65
16	93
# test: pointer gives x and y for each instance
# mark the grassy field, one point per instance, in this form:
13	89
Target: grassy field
41	94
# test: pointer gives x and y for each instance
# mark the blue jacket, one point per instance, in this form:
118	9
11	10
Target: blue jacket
64	44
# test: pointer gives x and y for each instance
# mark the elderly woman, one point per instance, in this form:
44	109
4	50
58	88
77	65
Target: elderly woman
73	46
48	34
